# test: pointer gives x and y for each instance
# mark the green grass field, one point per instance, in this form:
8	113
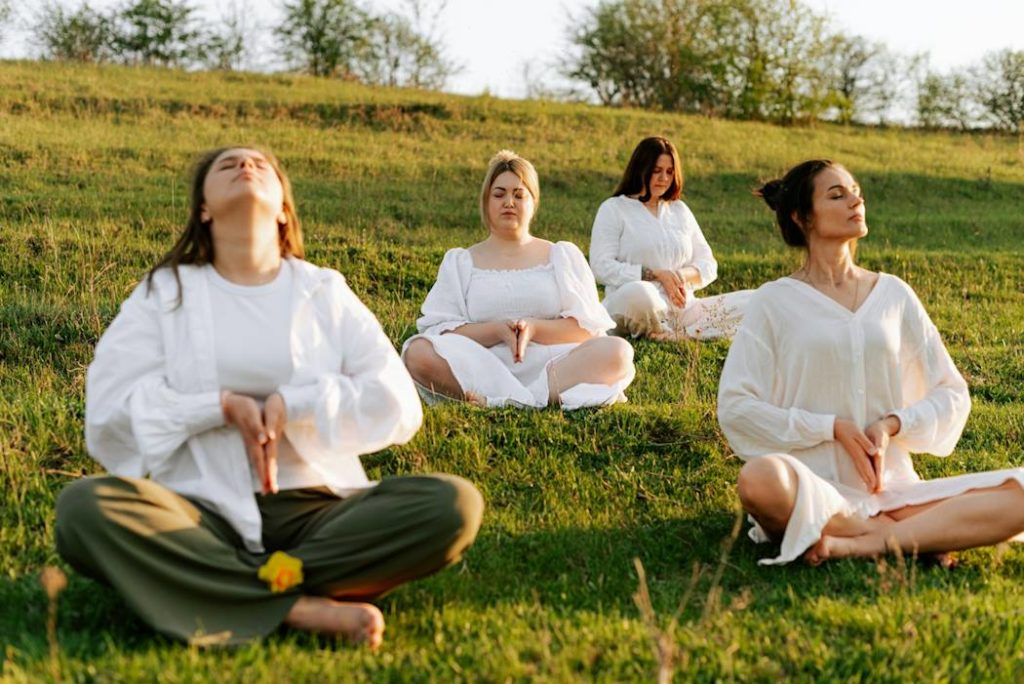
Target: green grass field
93	187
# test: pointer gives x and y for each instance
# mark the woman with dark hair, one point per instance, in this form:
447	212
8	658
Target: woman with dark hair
650	254
230	400
838	375
515	320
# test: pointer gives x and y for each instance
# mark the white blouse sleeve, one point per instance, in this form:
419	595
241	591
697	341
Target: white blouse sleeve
937	395
605	237
445	307
752	424
578	289
134	420
371	402
703	260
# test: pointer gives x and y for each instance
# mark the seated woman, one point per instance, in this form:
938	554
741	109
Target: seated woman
836	376
515	320
245	383
649	253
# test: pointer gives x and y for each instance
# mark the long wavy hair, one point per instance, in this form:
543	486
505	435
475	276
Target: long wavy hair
195	245
636	179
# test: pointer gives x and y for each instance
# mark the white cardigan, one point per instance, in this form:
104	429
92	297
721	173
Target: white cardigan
153	398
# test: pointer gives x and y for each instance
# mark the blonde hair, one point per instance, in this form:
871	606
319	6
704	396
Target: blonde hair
507	160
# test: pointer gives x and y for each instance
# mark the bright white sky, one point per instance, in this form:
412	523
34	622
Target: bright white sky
495	40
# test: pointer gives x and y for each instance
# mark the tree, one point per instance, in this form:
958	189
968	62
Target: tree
227	49
156	33
945	101
6	15
999	85
323	37
82	35
404	52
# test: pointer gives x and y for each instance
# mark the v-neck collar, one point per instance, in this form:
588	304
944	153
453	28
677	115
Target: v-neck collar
643	207
815	292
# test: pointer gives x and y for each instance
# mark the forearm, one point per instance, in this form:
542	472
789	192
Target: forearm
690	275
558	331
488	334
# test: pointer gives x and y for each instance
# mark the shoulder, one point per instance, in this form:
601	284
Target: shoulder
459	256
566	249
311	273
772	295
613	207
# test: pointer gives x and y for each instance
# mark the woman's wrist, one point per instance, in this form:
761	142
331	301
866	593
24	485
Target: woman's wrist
647	273
892	424
224	396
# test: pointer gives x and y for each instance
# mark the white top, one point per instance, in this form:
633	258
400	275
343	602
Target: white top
447	304
153	392
498	295
251	342
626	236
800	360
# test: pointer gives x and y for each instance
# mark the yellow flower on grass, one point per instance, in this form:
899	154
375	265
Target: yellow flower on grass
281	572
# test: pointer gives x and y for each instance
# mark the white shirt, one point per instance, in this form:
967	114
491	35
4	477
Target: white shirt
252	345
800	360
626	236
153	392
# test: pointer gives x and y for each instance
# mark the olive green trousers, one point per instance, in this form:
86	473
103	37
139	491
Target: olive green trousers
185	571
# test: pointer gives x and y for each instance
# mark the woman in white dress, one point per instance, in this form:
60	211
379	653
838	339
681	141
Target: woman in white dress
230	400
651	256
515	320
836	376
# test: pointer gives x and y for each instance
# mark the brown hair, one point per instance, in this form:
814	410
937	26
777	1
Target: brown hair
793	196
195	245
507	160
636	179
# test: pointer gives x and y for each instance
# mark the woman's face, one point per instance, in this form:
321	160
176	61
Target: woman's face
240	177
509	204
838	210
662	176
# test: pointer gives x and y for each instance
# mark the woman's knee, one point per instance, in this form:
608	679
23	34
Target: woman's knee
421	360
79	515
616	354
458	509
766	485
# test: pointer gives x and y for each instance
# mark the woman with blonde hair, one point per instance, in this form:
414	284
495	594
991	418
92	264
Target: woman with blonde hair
651	256
514	319
230	400
835	378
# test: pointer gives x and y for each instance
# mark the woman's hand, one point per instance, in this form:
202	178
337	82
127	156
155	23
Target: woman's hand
275	415
879	433
244	413
506	331
673	285
525	330
860	449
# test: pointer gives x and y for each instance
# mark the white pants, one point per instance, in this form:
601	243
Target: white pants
641	308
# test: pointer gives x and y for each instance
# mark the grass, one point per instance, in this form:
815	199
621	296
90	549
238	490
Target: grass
93	187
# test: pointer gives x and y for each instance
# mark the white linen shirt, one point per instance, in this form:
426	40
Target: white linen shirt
153	396
626	236
800	360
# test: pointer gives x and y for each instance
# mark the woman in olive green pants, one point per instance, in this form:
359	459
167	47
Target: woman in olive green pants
245	383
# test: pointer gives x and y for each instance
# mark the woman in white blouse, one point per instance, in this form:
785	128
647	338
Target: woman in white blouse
835	378
651	256
515	320
230	400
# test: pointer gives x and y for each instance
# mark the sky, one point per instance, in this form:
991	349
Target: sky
501	44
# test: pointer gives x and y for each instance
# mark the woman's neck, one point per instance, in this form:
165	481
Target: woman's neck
510	240
829	262
244	255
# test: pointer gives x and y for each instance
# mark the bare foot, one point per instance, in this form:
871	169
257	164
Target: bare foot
852	526
357	622
475	399
869	545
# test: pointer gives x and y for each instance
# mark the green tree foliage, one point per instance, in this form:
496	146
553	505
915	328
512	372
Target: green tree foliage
156	33
323	37
999	84
772	60
945	101
80	35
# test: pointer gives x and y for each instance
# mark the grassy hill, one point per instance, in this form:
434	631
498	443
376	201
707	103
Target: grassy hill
93	187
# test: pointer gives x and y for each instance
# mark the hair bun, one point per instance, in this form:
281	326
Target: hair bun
771	192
